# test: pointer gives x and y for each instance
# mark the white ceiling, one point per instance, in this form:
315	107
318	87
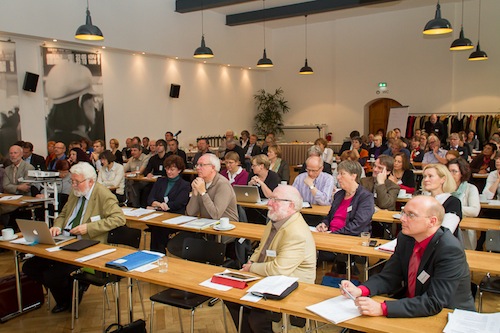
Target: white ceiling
328	16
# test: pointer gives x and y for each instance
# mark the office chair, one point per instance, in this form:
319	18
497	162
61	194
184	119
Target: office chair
488	283
199	250
119	236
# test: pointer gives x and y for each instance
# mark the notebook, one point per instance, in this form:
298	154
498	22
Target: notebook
133	260
247	193
38	232
80	245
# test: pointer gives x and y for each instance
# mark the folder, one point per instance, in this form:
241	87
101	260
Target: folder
229	282
133	260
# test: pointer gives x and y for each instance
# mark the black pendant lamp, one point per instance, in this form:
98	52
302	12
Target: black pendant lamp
88	31
306	70
462	43
203	52
478	54
264	62
438	25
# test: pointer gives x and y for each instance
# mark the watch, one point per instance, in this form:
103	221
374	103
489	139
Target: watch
202	194
312	187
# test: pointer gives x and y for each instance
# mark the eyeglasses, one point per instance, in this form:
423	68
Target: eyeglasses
411	216
312	170
201	165
279	200
76	182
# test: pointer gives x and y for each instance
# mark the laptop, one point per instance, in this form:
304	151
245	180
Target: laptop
38	232
248	193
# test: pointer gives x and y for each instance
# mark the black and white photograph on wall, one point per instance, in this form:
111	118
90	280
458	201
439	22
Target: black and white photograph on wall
73	91
10	119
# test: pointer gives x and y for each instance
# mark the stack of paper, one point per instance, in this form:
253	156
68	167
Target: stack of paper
461	321
336	310
274	285
200	223
388	247
137	212
179	219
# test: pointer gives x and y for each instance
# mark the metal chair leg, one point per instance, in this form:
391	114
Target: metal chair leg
73	305
104	299
224	315
140	296
192	321
152	317
180	319
240	319
480	303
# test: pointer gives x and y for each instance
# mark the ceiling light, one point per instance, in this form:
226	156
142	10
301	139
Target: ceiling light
264	62
88	31
203	52
306	70
478	54
438	25
461	43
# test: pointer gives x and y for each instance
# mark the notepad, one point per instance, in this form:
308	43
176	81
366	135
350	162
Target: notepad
133	260
200	223
388	247
336	309
179	219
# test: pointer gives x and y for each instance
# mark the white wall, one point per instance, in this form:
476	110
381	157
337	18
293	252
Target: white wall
349	55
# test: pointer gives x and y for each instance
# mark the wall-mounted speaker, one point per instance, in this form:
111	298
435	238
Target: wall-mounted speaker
174	90
30	81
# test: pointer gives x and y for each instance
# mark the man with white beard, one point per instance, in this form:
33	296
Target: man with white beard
91	211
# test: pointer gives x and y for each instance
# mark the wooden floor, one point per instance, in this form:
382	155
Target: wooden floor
207	319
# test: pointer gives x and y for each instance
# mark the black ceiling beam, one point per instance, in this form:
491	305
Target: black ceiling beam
186	6
299	9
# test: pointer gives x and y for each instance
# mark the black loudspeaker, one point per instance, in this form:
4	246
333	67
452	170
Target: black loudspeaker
174	90
30	81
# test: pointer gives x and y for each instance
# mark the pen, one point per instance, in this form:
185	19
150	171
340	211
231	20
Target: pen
347	293
256	293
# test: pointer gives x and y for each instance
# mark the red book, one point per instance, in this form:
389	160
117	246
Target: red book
229	282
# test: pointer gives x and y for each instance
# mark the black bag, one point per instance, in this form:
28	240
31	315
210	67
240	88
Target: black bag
32	294
138	326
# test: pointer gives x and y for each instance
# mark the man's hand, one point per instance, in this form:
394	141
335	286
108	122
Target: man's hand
368	307
55	231
79	230
322	227
150	175
308	181
246	267
198	186
351	288
382	176
24	187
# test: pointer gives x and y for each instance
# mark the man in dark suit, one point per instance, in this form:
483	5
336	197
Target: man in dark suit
428	270
251	150
347	145
35	160
434	126
454	144
173	149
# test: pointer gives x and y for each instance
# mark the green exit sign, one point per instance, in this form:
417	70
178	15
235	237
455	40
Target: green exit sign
382	84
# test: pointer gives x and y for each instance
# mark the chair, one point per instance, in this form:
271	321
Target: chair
490	284
199	250
119	236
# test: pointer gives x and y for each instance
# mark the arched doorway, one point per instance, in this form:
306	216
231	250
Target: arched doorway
378	113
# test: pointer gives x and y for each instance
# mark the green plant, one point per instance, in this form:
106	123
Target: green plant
271	108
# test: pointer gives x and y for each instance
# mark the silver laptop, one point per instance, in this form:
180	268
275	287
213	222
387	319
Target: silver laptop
248	193
38	232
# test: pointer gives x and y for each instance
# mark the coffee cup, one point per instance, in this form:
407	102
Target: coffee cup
224	222
402	193
7	233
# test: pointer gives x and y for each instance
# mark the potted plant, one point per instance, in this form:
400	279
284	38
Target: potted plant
271	108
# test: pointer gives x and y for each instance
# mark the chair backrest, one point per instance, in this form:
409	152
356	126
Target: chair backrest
125	236
492	242
204	251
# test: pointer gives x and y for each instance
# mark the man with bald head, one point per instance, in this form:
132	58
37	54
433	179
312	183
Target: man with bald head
286	248
428	270
315	186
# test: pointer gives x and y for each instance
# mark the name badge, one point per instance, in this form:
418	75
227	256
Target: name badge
349	209
423	277
95	218
417	153
460	152
271	253
161	167
436	130
165	199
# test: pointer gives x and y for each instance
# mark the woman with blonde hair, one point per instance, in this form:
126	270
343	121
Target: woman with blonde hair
278	165
439	182
266	180
113	146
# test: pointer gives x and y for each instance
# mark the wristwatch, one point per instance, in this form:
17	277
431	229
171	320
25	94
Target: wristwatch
202	194
311	187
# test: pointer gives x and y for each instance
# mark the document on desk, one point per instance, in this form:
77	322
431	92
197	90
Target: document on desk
388	247
274	285
179	219
336	310
461	321
10	197
200	223
149	217
137	212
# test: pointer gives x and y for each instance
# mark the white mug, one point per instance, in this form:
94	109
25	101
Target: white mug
224	222
7	233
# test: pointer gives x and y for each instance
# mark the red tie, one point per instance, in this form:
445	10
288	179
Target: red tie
412	271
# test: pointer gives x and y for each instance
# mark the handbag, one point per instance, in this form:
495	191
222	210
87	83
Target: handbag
138	326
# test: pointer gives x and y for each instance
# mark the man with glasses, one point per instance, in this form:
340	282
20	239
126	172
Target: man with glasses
435	154
286	248
384	190
315	186
212	195
60	154
428	270
90	213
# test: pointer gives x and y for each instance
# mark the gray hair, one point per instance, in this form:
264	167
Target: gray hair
292	194
314	150
214	160
352	167
84	169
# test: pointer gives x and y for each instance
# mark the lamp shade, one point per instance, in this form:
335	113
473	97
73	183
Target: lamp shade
306	70
88	31
265	62
438	25
461	43
478	54
203	52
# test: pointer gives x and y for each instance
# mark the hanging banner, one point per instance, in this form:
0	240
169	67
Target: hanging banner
73	91
10	119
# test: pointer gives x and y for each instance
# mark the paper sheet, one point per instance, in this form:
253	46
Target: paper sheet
336	310
209	284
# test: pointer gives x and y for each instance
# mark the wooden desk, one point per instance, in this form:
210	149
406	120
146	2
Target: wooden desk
21	202
314	210
471	223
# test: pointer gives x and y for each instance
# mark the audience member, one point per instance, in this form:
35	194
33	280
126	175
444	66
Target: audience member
152	148
278	165
112	174
127	150
232	145
244	139
401	173
384	190
145	144
326	153
378	148
316	151
155	166
136	165
434	126
265	179
50	153
252	149
363	153
472	141
315	186
233	171
99	146
173	149
34	159
455	145
77	155
435	154
416	153
428	270
347	145
59	154
492	187
484	162
114	147
203	148
396	146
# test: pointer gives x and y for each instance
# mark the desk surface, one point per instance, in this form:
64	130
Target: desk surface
471	223
314	210
21	201
186	275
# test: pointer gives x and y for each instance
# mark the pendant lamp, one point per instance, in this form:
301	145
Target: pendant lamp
264	62
88	31
478	54
461	43
438	25
203	52
306	70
